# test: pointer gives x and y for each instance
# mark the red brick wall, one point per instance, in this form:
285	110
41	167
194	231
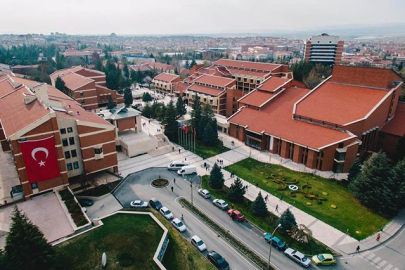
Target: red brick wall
389	143
351	155
98	138
89	152
127	123
96	165
230	95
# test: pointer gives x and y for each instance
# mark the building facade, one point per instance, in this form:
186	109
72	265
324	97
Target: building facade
324	49
165	82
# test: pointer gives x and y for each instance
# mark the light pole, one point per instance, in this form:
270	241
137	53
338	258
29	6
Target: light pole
271	243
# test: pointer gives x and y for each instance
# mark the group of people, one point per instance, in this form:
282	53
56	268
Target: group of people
220	161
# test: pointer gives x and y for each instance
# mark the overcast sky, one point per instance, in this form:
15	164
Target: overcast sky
143	17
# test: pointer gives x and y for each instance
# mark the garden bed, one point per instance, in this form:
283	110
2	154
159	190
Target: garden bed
100	190
73	207
348	216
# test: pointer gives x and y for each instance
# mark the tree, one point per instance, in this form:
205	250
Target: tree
354	170
236	191
259	207
133	75
126	71
312	80
400	150
162	113
128	99
146	97
287	221
111	103
210	135
180	107
60	84
193	63
398	184
147	111
98	65
216	180
187	65
196	112
373	186
26	246
170	121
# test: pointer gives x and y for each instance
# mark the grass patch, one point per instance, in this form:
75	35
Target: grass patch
130	241
209	151
349	215
267	223
100	190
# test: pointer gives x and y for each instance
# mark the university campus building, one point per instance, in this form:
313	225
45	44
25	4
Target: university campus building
164	83
86	86
324	128
324	49
57	129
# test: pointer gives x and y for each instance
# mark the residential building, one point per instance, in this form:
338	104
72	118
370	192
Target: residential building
324	49
324	128
86	86
164	82
32	112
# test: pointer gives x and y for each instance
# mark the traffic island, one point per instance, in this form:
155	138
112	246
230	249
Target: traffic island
160	183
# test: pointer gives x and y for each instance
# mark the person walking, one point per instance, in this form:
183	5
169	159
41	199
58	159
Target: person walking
172	188
378	236
179	150
277	208
182	217
266	198
357	249
174	180
281	198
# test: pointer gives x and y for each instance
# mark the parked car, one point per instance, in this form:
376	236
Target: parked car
218	260
298	257
155	204
179	225
220	203
166	212
86	202
198	243
236	214
324	259
186	170
276	242
177	165
204	193
138	204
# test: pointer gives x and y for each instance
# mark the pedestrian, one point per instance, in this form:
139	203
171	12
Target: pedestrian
179	150
277	208
247	187
174	180
257	185
185	159
173	149
266	198
281	198
182	217
357	249
172	189
378	236
232	206
205	164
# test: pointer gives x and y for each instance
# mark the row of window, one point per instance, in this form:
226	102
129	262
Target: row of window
66	141
70	154
63	130
72	166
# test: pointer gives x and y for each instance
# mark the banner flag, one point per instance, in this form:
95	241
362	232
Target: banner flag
40	159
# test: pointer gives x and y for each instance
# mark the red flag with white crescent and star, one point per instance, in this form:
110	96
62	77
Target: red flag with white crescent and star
40	159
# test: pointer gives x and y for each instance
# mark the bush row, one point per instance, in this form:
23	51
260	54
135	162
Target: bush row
250	254
73	207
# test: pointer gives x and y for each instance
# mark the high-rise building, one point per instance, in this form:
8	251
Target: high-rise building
324	49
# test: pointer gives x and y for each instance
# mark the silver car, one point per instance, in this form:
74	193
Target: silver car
220	204
138	204
298	257
204	193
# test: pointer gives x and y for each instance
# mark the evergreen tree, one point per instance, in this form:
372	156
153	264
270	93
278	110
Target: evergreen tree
60	84
162	113
210	135
287	221
236	191
400	150
156	108
207	114
133	75
170	122
193	63
98	65
176	71
126	71
259	207
147	111
128	99
354	170
111	103
146	97
196	113
373	186
26	246
398	184
216	180
187	65
180	107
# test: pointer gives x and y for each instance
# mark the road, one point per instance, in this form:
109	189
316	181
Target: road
137	186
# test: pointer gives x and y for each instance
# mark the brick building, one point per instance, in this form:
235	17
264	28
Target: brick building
164	82
324	49
86	86
324	128
30	111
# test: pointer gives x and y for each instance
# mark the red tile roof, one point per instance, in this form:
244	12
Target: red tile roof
166	77
272	84
247	64
205	90
256	98
74	80
277	121
397	124
339	103
6	86
62	72
214	80
234	71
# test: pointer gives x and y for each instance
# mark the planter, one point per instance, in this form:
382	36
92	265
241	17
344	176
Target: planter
160	183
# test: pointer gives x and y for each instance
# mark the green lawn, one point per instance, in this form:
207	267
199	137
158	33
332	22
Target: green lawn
349	215
127	240
208	151
267	223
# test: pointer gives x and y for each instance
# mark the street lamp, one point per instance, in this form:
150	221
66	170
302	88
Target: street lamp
271	243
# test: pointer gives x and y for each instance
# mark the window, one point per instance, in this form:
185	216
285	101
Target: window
71	140
34	185
69	166
69	129
65	142
98	151
62	131
82	101
81	94
75	165
74	153
67	154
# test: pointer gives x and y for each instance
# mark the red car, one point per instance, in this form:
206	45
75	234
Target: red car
235	214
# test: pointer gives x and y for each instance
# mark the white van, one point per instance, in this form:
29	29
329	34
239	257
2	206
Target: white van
177	165
191	169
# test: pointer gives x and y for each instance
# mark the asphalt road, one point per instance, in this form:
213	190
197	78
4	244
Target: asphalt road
137	186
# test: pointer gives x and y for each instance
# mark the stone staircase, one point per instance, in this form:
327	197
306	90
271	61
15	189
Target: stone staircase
164	146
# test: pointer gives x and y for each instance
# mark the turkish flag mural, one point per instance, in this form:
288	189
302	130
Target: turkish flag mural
40	159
